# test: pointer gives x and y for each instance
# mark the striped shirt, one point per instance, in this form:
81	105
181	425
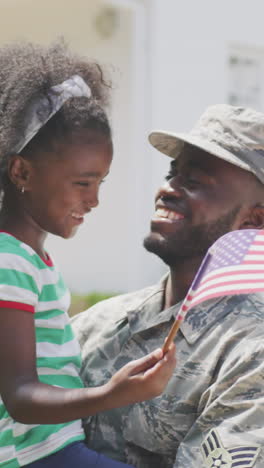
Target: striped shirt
30	283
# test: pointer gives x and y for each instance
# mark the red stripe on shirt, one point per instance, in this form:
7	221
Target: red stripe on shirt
17	305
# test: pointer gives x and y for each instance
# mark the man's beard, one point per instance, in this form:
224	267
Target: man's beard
192	242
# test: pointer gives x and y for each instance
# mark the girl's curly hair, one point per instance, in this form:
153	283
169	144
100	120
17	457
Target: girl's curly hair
28	71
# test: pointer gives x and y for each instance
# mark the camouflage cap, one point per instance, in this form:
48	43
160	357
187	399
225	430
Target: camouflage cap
235	134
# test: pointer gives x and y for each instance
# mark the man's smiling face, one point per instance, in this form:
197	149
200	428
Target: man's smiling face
203	198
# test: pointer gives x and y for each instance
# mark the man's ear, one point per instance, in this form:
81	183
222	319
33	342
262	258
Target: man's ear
19	171
255	219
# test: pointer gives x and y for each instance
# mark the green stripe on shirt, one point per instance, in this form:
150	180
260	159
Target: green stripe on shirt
57	336
17	278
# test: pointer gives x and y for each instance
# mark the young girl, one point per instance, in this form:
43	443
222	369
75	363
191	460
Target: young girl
55	150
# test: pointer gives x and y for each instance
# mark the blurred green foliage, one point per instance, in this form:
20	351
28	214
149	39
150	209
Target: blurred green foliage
82	302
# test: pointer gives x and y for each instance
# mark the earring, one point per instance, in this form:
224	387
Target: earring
22	190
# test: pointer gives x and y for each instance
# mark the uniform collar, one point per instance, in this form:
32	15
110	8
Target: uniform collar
144	311
202	317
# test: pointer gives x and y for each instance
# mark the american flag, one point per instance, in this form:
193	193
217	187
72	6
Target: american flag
234	264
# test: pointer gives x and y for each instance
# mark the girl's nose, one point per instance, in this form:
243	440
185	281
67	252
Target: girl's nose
94	202
91	200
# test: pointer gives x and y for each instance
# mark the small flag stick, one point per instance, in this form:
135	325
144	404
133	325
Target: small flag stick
184	308
172	333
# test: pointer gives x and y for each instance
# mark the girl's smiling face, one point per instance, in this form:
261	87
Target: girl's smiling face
63	187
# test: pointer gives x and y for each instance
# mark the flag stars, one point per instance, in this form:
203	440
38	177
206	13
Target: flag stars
230	250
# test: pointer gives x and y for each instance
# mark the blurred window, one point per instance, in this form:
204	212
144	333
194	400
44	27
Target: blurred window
246	78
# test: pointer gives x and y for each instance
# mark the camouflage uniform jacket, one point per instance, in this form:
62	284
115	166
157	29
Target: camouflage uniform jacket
212	411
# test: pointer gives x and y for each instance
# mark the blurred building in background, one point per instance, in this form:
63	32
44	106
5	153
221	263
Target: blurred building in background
169	60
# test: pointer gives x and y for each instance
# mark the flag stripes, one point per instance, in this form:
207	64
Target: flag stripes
233	265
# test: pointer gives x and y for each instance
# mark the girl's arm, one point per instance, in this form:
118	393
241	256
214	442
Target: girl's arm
31	402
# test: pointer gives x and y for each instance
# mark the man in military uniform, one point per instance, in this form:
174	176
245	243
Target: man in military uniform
211	414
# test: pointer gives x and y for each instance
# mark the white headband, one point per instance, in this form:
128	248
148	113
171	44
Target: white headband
43	109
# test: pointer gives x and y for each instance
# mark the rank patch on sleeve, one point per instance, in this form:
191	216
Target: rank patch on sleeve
217	456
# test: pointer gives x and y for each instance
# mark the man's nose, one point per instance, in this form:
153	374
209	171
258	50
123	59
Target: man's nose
171	188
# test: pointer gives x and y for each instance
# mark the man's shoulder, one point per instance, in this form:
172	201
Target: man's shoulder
239	312
114	308
245	307
127	300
